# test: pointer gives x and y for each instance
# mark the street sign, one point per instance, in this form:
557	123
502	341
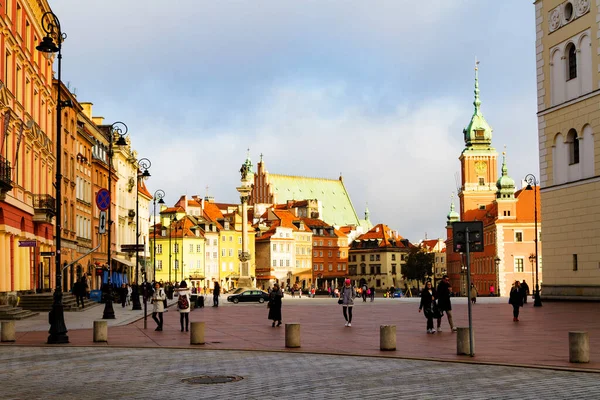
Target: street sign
27	243
103	199
102	225
47	254
132	248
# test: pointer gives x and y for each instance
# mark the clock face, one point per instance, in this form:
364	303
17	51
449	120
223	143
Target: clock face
480	167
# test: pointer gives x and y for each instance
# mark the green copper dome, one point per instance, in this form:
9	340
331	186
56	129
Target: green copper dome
453	216
478	134
505	184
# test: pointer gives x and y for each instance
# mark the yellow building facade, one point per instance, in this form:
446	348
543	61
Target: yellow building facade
567	54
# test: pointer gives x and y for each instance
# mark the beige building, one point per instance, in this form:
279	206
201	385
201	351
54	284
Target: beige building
567	54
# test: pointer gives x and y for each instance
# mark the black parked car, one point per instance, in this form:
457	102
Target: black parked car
249	296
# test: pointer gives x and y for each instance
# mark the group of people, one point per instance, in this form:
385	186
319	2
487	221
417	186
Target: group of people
158	299
435	302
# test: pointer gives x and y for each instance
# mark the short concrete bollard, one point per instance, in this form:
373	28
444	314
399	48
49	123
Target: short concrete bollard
100	331
579	347
387	337
197	333
292	335
8	331
462	341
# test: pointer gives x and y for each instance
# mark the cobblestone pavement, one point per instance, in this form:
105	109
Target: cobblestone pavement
111	373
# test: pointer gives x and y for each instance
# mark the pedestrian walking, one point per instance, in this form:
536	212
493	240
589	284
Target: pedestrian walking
347	296
524	291
516	300
363	292
216	292
129	291
427	305
443	302
372	293
123	294
491	290
81	291
183	304
473	294
274	305
158	306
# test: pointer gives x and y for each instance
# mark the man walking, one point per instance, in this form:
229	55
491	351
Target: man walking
525	291
443	298
216	292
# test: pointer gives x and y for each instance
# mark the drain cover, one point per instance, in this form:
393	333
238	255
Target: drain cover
209	380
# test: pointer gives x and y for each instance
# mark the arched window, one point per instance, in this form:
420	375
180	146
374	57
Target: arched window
573	147
572	62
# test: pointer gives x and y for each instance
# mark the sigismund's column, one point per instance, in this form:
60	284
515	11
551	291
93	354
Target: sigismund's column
247	176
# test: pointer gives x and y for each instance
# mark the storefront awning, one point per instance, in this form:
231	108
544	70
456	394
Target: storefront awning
123	261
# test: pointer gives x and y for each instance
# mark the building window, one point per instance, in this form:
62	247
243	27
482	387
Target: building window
191	248
287	263
518	236
224	238
329	243
393	257
231	238
481	182
230	252
377	257
198	248
176	250
316	267
329	253
393	269
320	254
362	257
572	62
372	257
573	144
274	263
214	254
330	267
176	264
159	265
321	267
240	240
519	265
574	262
274	247
159	249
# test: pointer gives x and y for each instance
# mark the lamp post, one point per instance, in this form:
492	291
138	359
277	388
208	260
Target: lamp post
532	181
173	219
142	173
51	26
159	194
531	260
497	261
121	130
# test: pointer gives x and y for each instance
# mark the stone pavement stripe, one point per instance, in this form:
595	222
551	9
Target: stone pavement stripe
100	373
540	339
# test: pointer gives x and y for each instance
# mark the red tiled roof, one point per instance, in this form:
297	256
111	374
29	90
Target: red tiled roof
143	190
381	233
172	210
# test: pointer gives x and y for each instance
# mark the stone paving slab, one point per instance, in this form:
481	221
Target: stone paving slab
539	339
116	373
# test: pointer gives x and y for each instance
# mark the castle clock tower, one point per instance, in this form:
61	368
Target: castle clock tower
478	160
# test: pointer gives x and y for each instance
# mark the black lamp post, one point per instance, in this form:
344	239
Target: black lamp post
158	195
173	219
532	181
121	130
531	260
497	261
142	173
51	25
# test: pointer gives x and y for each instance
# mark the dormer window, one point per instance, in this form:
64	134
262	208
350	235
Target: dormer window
479	134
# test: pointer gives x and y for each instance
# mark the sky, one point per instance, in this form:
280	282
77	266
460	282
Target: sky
378	91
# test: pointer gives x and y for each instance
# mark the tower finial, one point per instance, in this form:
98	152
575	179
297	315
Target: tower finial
504	167
477	101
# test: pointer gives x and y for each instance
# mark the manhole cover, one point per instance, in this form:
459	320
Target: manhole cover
209	380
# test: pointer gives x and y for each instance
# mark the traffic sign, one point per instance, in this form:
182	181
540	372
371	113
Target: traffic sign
132	248
47	254
102	225
27	243
103	199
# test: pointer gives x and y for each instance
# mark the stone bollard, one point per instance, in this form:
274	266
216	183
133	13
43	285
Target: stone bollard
100	331
8	331
292	335
197	333
387	337
462	341
579	347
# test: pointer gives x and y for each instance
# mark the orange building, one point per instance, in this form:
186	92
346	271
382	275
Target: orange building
27	159
329	253
507	215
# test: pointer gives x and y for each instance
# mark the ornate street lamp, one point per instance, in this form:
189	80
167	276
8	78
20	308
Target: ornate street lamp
121	130
497	261
158	195
142	173
531	260
52	43
532	181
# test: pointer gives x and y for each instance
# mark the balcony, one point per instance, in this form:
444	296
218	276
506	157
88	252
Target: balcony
5	177
44	207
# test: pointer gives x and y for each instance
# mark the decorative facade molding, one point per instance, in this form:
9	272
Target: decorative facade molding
566	13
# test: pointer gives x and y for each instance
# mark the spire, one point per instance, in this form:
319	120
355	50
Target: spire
452	215
367	213
477	101
478	134
505	184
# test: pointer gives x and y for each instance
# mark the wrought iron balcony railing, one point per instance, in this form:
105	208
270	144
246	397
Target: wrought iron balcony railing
44	203
5	175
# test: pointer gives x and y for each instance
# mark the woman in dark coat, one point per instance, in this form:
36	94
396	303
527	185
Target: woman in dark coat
516	300
275	304
428	296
